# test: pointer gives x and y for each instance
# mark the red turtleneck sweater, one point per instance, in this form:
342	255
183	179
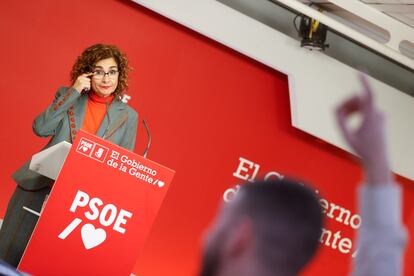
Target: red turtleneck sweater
95	112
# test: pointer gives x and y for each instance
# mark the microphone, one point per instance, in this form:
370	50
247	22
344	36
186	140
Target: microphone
149	138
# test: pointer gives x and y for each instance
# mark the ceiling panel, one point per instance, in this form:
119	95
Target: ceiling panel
403	17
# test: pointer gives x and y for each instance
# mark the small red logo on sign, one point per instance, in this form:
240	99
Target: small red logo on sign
99	153
85	146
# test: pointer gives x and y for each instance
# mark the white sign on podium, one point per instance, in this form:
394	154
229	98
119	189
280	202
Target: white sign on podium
48	162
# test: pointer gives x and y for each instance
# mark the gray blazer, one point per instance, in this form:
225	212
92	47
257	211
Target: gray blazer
62	120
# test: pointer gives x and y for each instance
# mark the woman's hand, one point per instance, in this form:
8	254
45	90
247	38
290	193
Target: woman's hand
83	82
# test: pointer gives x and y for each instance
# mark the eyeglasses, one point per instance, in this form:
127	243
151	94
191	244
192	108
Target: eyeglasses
100	74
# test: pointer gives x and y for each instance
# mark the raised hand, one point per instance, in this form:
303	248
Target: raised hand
368	139
83	82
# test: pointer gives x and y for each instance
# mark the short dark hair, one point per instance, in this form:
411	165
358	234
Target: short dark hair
287	222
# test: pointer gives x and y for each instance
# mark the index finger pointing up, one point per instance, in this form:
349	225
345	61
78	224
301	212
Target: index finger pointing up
367	93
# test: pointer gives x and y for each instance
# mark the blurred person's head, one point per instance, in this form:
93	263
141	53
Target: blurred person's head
269	228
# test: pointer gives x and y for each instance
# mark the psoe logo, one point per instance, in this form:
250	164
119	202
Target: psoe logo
92	150
90	209
85	146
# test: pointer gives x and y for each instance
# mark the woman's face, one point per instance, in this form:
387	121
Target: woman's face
105	78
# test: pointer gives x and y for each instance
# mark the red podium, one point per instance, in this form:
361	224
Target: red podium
99	212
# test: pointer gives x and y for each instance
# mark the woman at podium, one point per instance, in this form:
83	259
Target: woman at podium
93	103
